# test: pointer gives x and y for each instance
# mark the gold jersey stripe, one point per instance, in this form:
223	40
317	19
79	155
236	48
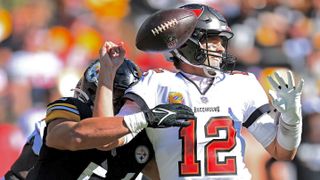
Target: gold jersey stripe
62	114
66	105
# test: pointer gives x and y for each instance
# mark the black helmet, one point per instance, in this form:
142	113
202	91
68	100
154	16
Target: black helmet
210	23
127	74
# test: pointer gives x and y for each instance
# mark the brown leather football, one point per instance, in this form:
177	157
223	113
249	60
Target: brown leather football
166	30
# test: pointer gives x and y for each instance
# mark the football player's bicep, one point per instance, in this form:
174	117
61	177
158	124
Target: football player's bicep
59	133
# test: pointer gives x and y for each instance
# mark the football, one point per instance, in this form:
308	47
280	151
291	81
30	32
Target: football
166	30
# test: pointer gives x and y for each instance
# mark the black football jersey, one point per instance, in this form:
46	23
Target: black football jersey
125	162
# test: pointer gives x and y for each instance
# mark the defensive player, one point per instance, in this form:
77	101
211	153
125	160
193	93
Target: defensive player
212	146
72	138
127	74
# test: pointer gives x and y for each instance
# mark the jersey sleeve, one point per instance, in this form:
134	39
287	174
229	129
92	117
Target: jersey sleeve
259	123
64	108
264	130
143	93
257	102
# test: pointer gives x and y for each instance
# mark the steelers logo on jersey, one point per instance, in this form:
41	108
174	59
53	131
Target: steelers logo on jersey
175	98
142	154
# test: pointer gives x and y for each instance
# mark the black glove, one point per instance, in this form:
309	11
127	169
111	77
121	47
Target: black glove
168	115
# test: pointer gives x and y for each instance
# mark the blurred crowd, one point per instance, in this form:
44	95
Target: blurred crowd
45	46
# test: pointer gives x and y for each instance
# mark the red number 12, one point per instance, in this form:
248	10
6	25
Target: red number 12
190	166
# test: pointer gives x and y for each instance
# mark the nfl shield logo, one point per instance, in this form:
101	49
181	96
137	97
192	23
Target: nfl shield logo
204	100
175	98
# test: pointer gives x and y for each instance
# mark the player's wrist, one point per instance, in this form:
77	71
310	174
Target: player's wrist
136	122
289	135
127	138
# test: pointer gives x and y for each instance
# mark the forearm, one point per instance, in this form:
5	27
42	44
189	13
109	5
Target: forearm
117	143
287	140
289	135
103	102
89	133
279	153
100	130
111	57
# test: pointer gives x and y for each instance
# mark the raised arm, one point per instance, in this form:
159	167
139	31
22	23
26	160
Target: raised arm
111	57
286	98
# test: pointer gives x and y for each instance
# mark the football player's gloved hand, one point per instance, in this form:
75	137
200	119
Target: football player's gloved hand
286	98
163	115
168	115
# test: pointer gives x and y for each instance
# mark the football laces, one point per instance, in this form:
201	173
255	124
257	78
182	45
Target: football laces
164	26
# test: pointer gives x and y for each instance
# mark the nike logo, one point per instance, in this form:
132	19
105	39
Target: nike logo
163	111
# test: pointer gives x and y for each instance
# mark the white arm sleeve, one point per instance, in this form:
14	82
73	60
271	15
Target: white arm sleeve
264	129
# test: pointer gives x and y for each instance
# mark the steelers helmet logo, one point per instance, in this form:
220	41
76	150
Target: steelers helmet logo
93	72
142	154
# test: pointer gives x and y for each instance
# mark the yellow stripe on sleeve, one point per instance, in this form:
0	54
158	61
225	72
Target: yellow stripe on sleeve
62	114
61	105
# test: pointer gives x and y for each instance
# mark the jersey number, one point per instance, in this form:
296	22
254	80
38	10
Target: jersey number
190	166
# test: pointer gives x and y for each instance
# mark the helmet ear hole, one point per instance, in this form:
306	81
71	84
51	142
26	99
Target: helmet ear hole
91	91
197	34
200	57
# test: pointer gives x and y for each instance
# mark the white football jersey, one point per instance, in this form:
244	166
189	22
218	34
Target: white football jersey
212	146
